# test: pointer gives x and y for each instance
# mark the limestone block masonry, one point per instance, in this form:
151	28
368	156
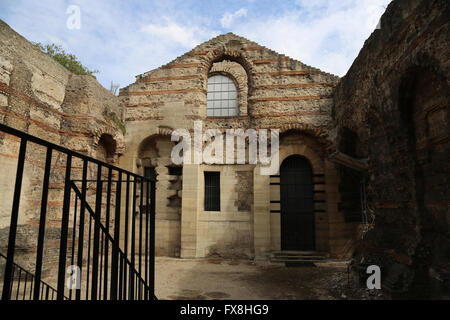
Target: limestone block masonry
42	98
273	92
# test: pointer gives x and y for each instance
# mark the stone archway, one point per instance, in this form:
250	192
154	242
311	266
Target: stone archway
154	158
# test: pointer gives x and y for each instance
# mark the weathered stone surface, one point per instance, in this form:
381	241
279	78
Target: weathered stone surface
391	108
395	101
40	97
273	91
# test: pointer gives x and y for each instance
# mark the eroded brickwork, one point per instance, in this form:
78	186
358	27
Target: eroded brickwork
395	100
40	97
273	92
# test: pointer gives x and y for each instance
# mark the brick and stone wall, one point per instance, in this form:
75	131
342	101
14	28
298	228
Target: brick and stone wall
395	100
40	97
274	91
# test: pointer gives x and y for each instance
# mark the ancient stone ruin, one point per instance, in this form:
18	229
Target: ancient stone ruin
371	148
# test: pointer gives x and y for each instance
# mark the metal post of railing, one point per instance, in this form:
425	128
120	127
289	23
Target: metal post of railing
147	210
133	240
108	205
141	204
81	226
95	252
72	252
127	207
64	230
88	275
152	239
40	243
6	293
115	247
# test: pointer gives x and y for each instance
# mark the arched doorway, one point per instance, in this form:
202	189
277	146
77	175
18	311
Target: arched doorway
297	211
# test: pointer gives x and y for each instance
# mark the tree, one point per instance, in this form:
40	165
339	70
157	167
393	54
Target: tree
67	60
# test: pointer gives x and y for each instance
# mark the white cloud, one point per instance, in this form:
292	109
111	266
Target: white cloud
326	34
228	18
172	32
124	39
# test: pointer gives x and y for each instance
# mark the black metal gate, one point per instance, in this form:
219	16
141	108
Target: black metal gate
297	208
99	259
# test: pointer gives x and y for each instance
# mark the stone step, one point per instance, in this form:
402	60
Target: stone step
298	253
297	256
293	261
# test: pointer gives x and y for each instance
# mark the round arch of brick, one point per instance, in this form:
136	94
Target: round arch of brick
218	55
305	151
241	82
118	138
240	79
161	131
319	135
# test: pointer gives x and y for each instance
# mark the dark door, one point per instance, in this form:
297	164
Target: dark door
297	213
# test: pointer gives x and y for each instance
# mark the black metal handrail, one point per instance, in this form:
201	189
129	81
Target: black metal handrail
108	270
47	292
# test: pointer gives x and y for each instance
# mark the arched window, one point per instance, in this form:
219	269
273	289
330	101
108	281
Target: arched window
221	97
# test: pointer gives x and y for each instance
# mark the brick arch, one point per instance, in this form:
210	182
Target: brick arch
164	131
161	131
240	80
221	54
230	72
117	137
320	135
305	151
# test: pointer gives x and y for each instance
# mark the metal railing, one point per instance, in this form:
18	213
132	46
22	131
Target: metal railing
22	287
106	251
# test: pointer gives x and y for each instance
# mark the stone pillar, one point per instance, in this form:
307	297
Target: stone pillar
189	210
261	214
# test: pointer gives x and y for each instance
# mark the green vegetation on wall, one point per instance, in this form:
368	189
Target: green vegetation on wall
113	119
67	60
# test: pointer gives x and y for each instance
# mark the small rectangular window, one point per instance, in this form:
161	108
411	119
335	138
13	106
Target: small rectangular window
212	191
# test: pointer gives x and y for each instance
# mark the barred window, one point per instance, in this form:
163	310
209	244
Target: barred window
221	97
212	191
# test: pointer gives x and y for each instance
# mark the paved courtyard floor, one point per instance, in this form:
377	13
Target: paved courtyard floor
215	278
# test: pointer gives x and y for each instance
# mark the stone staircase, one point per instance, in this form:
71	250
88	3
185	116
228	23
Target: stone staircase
297	258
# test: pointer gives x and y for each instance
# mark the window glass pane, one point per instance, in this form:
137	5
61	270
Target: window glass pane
224	112
224	87
224	95
212	191
221	96
224	104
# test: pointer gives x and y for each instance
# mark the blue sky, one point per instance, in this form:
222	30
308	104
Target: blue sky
125	38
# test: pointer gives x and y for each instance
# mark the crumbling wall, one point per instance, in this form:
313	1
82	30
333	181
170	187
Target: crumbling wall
40	97
274	91
395	98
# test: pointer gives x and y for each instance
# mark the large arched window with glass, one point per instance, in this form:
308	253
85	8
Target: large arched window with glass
221	98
